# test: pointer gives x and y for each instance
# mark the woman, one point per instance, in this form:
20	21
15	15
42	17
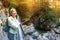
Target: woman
14	26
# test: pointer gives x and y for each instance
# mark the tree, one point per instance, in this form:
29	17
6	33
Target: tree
45	16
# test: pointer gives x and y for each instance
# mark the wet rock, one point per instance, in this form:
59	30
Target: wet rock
42	37
35	35
57	30
53	34
28	29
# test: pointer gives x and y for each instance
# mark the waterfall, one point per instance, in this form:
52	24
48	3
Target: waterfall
21	35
